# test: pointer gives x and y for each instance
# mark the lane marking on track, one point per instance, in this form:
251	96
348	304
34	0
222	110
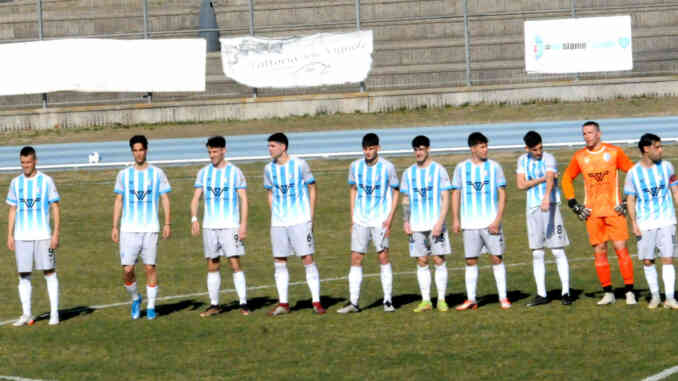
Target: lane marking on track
663	374
18	378
299	283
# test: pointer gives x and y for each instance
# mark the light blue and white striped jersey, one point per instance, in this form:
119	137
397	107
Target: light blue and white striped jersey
220	190
424	187
32	198
478	186
141	192
651	187
374	185
536	169
289	185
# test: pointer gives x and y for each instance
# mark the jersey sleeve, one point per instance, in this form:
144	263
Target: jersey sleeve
393	177
456	177
405	184
52	193
351	174
499	177
444	179
198	179
623	161
306	173
550	163
571	172
11	195
240	180
520	165
629	188
164	186
673	179
268	182
119	186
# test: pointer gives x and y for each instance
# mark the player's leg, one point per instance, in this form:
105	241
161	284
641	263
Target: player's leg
618	233
472	247
563	268
45	260
301	239
149	254
495	247
281	250
440	247
130	246
381	244
646	247
24	263
598	238
213	252
234	248
359	242
536	236
557	240
667	251
420	249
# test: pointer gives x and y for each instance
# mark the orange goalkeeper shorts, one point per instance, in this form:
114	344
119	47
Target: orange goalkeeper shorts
603	229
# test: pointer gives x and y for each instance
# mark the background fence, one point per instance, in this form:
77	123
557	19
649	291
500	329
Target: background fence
418	44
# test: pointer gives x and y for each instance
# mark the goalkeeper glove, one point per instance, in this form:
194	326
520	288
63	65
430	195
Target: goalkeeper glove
581	211
621	208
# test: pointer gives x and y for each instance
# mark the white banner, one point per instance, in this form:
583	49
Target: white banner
102	65
320	59
578	45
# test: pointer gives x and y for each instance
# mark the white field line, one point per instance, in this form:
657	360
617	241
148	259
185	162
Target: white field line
18	378
663	374
263	287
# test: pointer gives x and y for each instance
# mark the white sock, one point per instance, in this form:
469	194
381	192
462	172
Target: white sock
500	278
355	277
132	291
441	280
563	269
424	280
387	281
652	282
282	280
53	292
25	290
313	280
669	277
151	294
240	286
213	286
471	282
539	270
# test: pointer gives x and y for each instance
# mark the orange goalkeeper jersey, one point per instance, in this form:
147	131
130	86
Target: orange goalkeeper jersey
601	178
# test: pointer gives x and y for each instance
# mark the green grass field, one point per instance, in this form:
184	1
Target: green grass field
579	342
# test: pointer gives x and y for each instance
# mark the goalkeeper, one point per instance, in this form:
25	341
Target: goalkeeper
603	210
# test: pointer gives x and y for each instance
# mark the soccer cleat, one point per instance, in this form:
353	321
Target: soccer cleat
630	298
211	310
566	300
136	308
388	306
538	301
505	304
442	306
24	320
654	303
53	319
467	305
150	314
280	309
671	303
348	309
244	309
318	308
425	305
608	298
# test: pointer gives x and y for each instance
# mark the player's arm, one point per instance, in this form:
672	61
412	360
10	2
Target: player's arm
395	195
456	196
631	204
352	194
406	215
524	184
494	226
117	211
56	217
195	204
167	227
623	161
244	212
312	194
10	227
573	170
550	181
444	207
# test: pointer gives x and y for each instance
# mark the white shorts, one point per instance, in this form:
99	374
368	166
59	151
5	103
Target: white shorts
291	240
662	239
38	252
546	229
362	235
481	241
222	243
133	243
424	243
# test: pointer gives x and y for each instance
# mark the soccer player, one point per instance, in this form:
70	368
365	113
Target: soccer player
536	173
653	216
603	209
30	198
374	198
291	198
425	187
478	193
138	190
224	221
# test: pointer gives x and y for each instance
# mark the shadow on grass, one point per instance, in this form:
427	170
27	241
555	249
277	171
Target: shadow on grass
397	300
326	301
253	304
513	296
167	309
619	293
67	314
575	294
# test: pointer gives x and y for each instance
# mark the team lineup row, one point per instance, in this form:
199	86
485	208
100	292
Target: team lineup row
475	195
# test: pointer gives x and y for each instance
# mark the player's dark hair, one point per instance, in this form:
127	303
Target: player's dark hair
138	139
591	123
532	138
647	140
279	137
421	140
27	151
216	142
476	138
370	140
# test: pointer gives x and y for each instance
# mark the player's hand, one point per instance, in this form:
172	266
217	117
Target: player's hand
545	204
636	231
621	208
581	211
195	228
166	231
54	243
437	229
10	243
242	233
493	228
456	227
387	228
115	235
407	228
